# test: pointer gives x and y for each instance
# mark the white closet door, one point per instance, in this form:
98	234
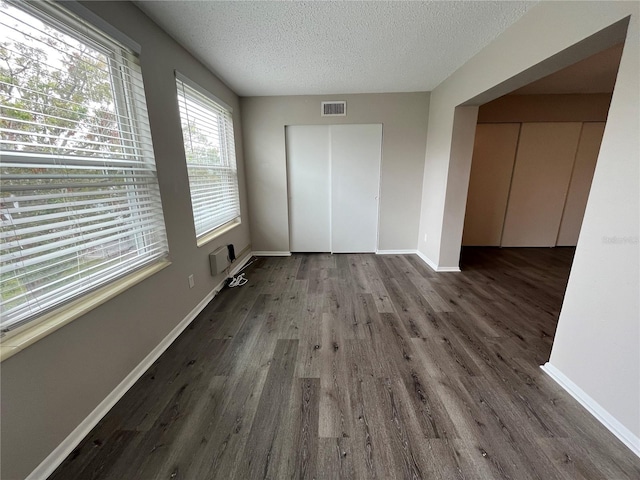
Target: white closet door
541	175
309	191
583	170
356	152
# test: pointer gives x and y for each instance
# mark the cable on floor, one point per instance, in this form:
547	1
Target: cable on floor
238	281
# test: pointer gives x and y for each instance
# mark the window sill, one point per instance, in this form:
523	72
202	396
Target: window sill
27	335
213	234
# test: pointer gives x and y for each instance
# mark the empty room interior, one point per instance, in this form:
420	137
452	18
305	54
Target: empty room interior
345	239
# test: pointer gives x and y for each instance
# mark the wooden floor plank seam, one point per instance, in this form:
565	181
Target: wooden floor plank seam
366	367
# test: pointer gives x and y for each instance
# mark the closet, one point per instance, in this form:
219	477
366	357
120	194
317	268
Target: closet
333	180
530	182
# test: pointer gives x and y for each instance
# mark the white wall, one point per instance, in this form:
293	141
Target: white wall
52	385
598	340
404	126
597	343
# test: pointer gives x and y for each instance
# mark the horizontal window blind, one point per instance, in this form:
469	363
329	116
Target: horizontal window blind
207	130
80	204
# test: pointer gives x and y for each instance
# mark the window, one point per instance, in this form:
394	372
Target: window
207	131
80	204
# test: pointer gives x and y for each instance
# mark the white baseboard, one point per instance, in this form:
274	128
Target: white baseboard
594	408
57	456
272	254
448	269
424	258
427	260
434	266
396	252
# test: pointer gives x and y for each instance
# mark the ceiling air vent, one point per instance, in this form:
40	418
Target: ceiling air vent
334	109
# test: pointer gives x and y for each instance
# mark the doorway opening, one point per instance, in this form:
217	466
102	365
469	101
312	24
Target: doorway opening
534	158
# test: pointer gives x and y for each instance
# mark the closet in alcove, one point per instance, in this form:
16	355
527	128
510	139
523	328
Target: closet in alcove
530	179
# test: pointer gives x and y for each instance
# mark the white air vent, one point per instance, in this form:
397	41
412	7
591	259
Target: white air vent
334	109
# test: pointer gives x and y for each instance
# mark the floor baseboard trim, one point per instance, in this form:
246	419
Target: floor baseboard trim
271	254
594	408
447	269
434	266
62	451
395	252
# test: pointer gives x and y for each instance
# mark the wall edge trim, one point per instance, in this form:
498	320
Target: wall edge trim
434	266
612	424
396	252
62	451
271	253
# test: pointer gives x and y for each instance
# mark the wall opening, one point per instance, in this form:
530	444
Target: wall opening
534	156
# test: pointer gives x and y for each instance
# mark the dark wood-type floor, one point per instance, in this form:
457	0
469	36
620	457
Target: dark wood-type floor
362	366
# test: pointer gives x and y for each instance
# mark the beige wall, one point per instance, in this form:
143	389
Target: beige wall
404	126
597	345
51	386
546	108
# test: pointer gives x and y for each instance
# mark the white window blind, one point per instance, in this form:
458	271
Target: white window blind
80	204
207	130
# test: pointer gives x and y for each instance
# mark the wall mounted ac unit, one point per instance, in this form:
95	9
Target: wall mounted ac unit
219	260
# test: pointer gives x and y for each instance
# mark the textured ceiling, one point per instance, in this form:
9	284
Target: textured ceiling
318	47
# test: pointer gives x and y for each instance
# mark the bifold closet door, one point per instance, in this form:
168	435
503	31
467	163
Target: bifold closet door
333	176
356	152
494	153
583	169
546	153
308	180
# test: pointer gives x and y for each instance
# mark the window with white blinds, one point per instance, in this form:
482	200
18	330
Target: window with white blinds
207	130
80	204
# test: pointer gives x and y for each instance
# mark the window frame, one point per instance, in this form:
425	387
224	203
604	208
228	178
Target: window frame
216	231
80	24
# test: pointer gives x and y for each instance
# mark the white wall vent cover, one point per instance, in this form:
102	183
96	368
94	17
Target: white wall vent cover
334	109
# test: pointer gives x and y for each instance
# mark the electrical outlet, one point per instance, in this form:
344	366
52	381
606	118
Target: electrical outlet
192	282
425	237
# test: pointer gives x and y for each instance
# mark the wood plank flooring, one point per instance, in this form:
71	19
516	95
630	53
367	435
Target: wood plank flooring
362	367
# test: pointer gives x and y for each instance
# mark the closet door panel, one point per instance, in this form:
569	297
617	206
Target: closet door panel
355	184
585	165
546	153
494	153
308	178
